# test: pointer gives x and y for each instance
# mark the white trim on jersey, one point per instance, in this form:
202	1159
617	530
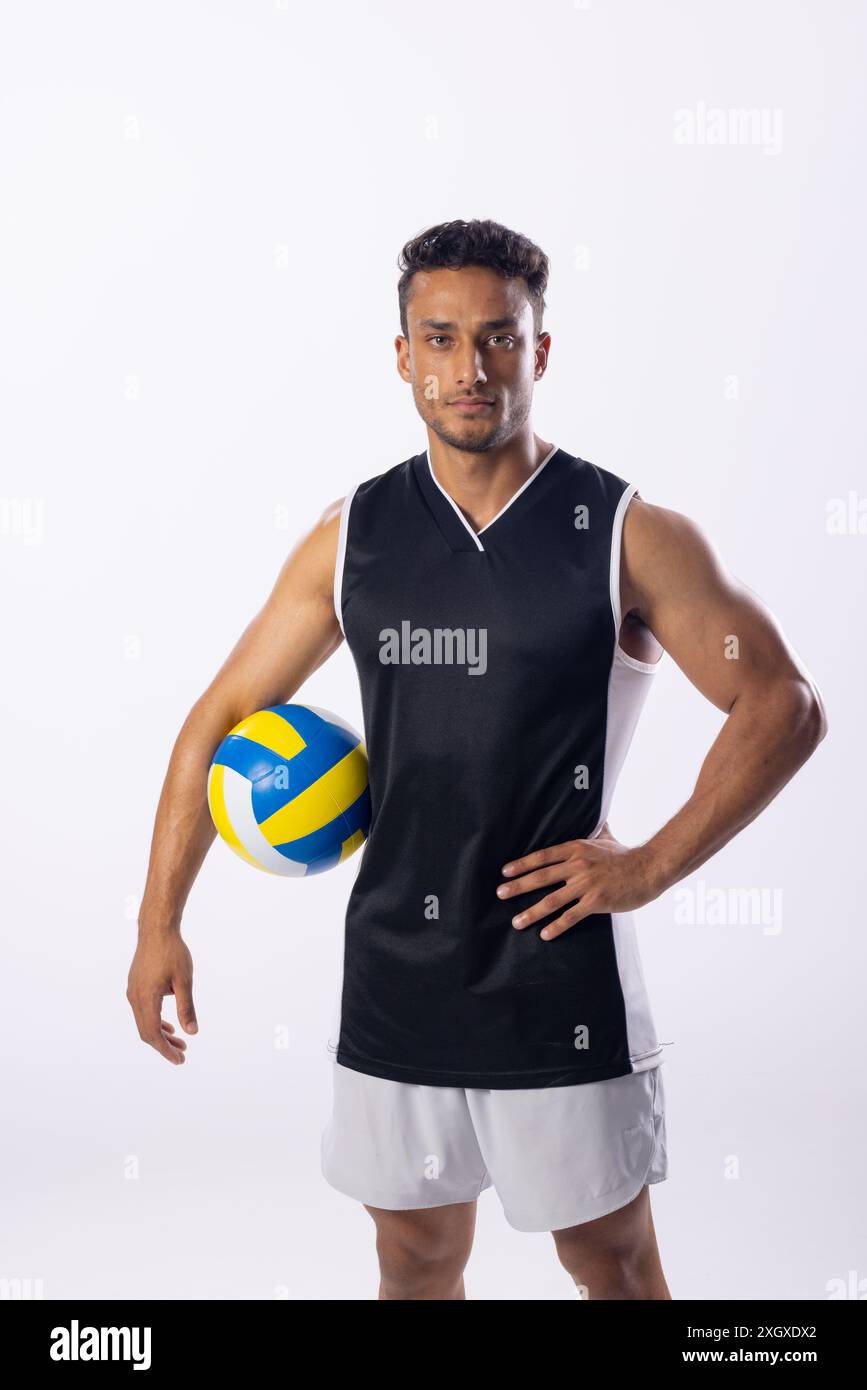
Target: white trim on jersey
627	691
628	685
628	682
629	492
340	559
526	483
645	1051
614	567
515	495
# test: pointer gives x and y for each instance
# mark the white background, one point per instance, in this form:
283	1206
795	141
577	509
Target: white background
202	208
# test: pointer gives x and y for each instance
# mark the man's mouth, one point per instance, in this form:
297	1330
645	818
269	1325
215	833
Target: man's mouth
472	405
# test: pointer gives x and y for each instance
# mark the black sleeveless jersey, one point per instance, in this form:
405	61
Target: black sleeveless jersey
498	707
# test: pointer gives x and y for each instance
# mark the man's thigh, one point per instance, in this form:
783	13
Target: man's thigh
566	1156
615	1256
399	1147
621	1234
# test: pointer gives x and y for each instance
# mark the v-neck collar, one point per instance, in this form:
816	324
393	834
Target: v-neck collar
454	525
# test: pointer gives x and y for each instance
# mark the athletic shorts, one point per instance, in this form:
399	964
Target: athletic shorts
556	1155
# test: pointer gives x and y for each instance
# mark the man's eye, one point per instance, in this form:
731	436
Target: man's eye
501	337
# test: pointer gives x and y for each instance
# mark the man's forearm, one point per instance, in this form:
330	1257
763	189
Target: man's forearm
759	748
183	829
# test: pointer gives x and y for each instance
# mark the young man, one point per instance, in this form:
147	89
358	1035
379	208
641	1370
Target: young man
506	604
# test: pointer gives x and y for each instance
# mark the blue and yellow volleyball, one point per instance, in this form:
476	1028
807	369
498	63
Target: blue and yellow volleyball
288	790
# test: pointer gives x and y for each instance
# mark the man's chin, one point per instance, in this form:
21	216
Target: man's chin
470	438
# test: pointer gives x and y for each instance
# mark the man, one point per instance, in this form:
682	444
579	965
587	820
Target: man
506	604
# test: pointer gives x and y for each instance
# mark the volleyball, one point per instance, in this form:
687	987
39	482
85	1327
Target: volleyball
288	790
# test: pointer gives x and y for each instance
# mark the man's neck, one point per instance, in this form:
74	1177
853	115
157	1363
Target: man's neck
482	483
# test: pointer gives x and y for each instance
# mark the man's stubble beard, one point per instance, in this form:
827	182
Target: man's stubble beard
482	444
498	435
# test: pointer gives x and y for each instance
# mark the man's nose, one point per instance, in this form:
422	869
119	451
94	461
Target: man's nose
470	369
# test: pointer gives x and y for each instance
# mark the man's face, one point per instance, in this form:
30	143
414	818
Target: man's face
471	336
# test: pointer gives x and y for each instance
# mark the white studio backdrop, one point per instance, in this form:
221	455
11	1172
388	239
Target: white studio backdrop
203	204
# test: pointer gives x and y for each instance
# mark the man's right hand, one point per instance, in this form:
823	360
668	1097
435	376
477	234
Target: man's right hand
162	965
295	631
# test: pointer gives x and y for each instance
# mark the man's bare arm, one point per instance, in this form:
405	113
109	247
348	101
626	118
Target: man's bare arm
294	632
732	649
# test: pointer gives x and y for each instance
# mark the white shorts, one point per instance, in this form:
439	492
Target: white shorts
556	1155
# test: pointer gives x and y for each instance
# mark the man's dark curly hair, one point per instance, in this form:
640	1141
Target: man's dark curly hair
452	245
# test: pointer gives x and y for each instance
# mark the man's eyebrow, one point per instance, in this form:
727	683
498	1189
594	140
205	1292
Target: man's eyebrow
442	325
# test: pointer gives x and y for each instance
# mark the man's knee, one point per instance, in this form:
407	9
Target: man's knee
423	1251
599	1272
615	1255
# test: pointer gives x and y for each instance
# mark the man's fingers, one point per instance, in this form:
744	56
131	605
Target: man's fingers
539	878
544	907
549	855
147	1016
568	919
184	1003
167	1047
168	1030
150	1029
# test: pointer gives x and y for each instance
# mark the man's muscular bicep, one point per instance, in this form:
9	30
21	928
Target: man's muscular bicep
294	632
720	634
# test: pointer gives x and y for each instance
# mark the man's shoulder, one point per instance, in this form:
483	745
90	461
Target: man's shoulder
592	477
650	524
665	551
390	479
